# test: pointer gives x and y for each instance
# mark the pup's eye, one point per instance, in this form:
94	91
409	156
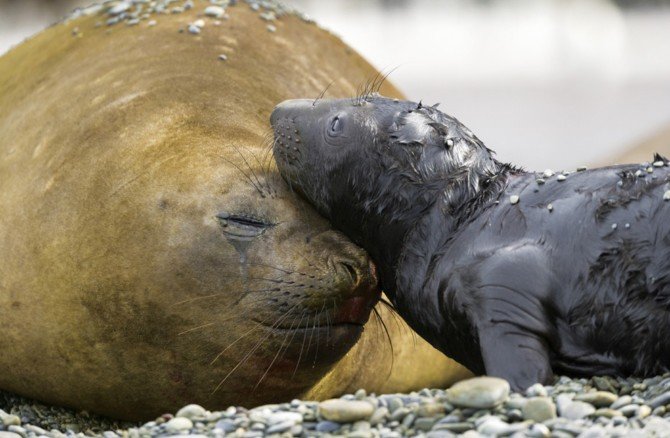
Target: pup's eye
242	227
335	126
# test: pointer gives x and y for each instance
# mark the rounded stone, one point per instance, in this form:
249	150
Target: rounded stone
538	431
536	390
539	409
479	392
493	426
9	419
345	411
215	11
178	424
576	410
327	426
191	411
599	399
607	413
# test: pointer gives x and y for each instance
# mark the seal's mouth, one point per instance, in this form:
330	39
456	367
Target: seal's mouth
352	311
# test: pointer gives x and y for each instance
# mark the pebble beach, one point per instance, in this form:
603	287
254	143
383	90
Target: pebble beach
478	407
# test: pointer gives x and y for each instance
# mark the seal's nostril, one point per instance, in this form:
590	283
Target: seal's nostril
353	273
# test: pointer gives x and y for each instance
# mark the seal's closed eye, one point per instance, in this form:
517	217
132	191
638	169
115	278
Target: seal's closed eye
242	226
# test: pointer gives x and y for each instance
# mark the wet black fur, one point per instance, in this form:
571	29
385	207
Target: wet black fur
511	290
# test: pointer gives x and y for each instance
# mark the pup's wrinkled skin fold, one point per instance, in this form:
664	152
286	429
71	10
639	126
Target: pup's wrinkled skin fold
514	274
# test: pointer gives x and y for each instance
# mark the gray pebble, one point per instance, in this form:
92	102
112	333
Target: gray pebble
327	426
599	399
178	424
345	411
576	410
539	409
538	430
192	412
493	426
280	427
623	401
215	11
479	392
192	28
119	8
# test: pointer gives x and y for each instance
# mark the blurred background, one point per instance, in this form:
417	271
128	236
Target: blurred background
545	83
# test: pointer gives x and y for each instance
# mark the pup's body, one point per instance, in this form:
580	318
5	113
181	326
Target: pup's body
514	274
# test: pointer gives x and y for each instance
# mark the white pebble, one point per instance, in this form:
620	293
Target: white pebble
152	23
550	207
614	226
561	177
119	8
192	28
272	28
178	424
639	174
223	57
514	199
548	173
666	195
200	23
214	11
659	163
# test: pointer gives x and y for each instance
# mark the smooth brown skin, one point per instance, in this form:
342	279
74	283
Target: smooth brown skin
118	285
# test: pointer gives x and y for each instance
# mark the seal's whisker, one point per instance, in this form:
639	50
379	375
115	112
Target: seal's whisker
302	346
196	328
323	93
281	347
384	78
254	328
310	264
388	337
316	352
251	170
238	315
396	317
253	350
258	189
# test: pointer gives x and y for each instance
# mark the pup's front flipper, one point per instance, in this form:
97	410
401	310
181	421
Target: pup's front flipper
512	293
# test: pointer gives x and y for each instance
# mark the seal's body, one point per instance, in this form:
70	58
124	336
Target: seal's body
514	274
151	256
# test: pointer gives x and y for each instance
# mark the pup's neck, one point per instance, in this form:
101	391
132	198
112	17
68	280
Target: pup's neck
405	224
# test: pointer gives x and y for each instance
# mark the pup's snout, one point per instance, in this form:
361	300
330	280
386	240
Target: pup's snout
288	109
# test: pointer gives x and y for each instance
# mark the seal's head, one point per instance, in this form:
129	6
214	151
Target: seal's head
376	163
329	148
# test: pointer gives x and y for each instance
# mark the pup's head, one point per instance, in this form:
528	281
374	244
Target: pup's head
374	153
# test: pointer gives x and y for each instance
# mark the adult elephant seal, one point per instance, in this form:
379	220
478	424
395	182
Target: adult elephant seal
151	256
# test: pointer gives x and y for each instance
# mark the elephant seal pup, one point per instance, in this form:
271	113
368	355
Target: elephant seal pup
151	255
514	274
